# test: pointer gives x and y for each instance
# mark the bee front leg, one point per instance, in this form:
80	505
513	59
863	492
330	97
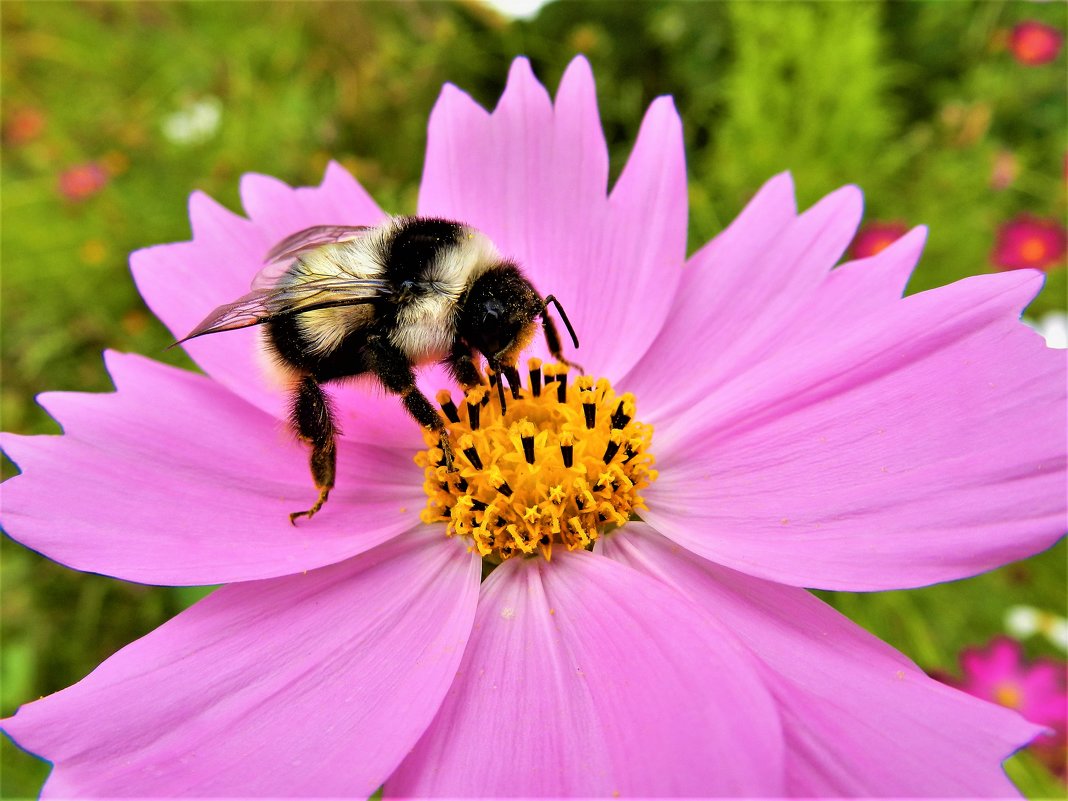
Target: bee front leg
552	341
313	418
462	365
514	382
395	372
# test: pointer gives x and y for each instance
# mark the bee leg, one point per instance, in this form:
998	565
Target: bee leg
313	419
427	416
514	382
497	379
552	341
463	368
395	372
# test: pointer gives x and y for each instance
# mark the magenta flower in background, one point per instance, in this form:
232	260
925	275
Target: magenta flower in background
1027	242
1037	690
883	443
875	237
1034	43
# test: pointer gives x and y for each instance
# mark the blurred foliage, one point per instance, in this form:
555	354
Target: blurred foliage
915	102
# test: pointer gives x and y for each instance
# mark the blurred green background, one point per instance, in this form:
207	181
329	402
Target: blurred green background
921	104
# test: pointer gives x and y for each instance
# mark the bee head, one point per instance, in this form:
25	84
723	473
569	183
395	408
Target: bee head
498	317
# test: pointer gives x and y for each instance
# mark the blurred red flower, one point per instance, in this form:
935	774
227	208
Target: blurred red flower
23	125
1034	43
875	237
1027	241
82	181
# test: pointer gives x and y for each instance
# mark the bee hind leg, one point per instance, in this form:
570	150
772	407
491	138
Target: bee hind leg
313	418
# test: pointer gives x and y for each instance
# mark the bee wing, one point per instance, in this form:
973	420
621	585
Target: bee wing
263	305
281	255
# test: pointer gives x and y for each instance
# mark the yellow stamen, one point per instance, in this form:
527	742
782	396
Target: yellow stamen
564	466
1033	249
1008	694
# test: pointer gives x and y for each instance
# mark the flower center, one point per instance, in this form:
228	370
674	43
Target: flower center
1033	249
562	466
1008	694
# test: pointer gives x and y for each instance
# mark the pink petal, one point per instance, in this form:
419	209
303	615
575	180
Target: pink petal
183	282
586	678
919	442
741	294
278	210
174	480
308	685
859	718
533	177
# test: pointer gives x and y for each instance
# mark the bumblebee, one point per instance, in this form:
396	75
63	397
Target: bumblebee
344	301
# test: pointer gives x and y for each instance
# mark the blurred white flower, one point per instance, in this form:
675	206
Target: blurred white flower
517	9
1022	622
195	122
1053	326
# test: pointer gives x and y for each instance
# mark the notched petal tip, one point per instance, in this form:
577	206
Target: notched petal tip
18	448
579	67
520	71
905	251
1022	286
662	117
657	158
846	200
577	92
119	364
335	171
256	188
523	89
206	214
454	100
146	259
780	188
125	370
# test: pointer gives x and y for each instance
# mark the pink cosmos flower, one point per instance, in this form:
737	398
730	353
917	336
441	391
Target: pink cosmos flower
1034	43
875	237
1037	690
811	429
1029	242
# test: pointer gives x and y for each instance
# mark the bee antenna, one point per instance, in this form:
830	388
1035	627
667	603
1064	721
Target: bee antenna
563	316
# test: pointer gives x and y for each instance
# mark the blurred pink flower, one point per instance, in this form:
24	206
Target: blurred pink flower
812	429
1005	170
82	181
875	237
1037	690
1027	242
1034	43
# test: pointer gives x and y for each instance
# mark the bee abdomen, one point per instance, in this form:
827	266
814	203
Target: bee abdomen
289	341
